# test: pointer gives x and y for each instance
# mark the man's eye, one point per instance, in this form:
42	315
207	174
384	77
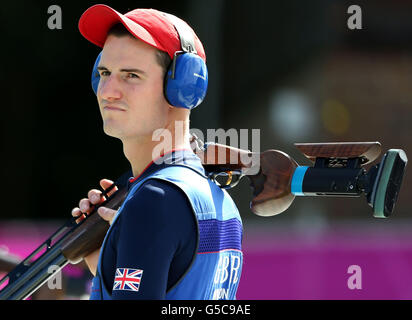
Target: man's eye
132	75
104	73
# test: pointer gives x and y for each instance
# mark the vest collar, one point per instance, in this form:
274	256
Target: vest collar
184	157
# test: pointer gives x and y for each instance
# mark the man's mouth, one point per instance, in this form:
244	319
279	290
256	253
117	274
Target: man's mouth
113	108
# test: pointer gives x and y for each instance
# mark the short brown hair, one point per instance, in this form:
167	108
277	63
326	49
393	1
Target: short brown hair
162	57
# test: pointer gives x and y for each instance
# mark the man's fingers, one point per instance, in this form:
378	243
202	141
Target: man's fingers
95	196
78	214
106	213
84	205
106	183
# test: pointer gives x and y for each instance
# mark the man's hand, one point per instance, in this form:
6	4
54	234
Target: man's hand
86	206
94	197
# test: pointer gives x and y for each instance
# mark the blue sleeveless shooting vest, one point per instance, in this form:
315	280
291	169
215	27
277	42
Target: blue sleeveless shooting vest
217	266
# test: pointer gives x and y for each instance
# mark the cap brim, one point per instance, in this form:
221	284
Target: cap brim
98	19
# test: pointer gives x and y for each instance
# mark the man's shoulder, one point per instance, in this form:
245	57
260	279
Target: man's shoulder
157	204
173	179
157	188
159	197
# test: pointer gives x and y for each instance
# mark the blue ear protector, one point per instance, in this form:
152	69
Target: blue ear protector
96	74
186	80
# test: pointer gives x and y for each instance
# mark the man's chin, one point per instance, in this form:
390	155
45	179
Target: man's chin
112	131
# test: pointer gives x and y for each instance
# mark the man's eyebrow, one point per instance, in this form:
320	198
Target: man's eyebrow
103	68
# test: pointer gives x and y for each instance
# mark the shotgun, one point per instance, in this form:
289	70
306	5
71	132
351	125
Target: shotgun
276	179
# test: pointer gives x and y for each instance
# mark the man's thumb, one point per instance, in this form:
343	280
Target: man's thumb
106	214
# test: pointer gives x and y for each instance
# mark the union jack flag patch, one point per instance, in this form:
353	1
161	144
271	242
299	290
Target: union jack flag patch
127	279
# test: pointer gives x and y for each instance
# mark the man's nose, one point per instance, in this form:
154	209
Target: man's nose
109	88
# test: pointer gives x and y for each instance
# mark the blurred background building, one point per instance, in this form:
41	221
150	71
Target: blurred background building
292	69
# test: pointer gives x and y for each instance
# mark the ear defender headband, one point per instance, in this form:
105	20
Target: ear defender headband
186	79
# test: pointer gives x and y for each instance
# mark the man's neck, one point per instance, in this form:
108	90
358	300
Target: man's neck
142	151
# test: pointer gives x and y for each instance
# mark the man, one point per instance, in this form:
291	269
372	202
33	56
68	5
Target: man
177	235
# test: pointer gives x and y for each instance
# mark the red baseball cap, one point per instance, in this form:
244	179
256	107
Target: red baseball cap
149	25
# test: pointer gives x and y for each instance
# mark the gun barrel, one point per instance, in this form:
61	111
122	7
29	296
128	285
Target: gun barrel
20	286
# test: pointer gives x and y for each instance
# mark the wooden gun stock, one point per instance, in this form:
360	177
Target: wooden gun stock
270	177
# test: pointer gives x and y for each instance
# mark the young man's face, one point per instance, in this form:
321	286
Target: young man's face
130	92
